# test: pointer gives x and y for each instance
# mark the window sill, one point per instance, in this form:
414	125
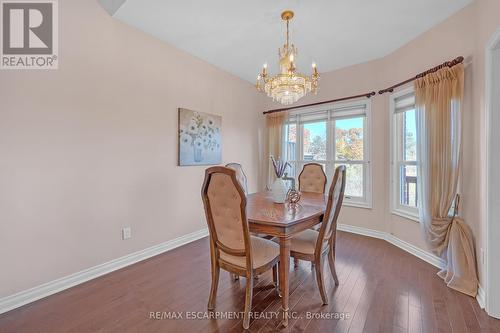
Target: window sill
357	205
406	215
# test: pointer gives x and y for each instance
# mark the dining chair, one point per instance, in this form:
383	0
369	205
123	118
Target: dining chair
314	246
232	248
312	178
242	179
240	175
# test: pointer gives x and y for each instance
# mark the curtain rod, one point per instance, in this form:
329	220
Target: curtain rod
367	95
456	61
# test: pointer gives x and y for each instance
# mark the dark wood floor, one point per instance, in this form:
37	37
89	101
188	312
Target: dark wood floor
382	289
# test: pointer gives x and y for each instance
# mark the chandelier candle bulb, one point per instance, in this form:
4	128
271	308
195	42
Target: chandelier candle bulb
288	86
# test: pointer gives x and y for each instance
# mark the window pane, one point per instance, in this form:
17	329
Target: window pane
408	185
410	136
349	139
314	141
354	180
291	142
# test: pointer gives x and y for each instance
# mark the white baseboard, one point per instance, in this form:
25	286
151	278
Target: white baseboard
362	231
481	297
27	296
412	249
24	297
416	251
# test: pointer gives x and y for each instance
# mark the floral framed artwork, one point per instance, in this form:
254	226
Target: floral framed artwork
199	138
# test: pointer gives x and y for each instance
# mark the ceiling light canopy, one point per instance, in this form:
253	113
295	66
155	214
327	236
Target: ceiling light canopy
288	86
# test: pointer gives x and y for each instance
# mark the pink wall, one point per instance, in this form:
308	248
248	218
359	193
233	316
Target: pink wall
91	147
466	34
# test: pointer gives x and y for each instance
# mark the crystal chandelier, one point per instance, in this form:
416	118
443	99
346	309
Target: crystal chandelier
288	86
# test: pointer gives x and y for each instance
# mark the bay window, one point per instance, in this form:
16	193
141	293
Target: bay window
333	135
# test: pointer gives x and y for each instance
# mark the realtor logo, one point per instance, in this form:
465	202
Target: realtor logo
29	34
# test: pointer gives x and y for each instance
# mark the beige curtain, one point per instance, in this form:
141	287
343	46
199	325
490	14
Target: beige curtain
274	124
439	98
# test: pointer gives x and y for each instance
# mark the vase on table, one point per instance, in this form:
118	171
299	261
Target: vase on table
279	191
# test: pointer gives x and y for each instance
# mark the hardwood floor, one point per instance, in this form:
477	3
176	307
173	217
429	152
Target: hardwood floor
382	289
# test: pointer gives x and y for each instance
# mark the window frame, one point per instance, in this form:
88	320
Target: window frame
329	163
396	138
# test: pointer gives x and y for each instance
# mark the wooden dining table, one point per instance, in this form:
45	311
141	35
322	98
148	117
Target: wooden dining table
284	221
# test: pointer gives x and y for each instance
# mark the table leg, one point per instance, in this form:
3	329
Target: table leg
284	267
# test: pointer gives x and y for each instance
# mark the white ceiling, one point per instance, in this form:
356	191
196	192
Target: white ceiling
239	36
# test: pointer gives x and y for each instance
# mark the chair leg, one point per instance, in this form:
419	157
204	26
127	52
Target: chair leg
276	279
215	285
331	262
248	301
275	275
319	279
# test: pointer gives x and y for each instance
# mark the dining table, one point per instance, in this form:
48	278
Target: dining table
284	221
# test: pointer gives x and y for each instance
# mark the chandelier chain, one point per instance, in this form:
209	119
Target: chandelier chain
287	33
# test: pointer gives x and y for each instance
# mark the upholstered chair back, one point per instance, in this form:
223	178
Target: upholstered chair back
335	198
240	175
312	178
225	205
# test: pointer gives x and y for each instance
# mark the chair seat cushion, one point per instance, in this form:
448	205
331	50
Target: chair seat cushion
263	252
